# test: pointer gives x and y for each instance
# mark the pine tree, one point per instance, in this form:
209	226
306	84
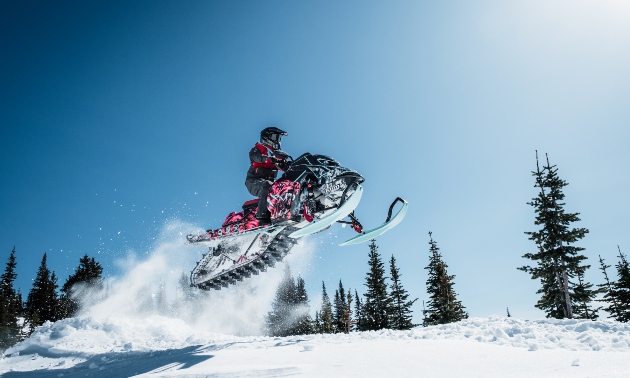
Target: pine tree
326	315
401	307
377	307
443	306
304	323
80	287
608	290
10	305
317	323
342	315
348	321
42	302
619	294
582	298
343	311
281	319
357	312
558	261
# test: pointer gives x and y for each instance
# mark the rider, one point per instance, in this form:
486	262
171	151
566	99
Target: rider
266	158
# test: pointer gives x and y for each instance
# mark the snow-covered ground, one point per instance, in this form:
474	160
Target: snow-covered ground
158	346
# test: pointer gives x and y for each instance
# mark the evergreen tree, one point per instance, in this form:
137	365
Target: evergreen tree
377	307
42	302
348	321
357	312
317	323
558	261
443	306
619	294
343	312
337	311
80	287
401	307
582	298
281	320
185	289
10	305
608	290
327	322
304	323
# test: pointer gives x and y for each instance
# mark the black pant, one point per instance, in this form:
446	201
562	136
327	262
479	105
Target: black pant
259	187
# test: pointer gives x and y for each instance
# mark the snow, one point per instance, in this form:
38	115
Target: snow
159	346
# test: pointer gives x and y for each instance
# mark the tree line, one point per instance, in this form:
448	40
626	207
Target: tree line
18	318
384	305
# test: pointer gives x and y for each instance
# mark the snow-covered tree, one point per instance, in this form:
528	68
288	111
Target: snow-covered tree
557	262
376	309
10	305
401	307
442	306
42	303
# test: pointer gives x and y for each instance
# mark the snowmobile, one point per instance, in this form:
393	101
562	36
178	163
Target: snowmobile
314	192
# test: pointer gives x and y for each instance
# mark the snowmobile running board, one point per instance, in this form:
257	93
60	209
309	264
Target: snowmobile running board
340	213
389	224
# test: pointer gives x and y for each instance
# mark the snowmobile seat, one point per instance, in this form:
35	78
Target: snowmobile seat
251	203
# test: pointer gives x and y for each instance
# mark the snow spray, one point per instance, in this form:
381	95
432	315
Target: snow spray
158	286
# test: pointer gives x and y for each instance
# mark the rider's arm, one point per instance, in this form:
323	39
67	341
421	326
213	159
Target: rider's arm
256	156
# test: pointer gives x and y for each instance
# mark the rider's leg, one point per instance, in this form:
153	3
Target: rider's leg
260	188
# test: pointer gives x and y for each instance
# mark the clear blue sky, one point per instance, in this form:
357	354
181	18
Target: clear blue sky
118	116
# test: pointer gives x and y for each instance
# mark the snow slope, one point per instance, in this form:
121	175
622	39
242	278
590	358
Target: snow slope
159	346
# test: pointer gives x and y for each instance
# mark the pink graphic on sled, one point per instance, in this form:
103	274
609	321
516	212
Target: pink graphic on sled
279	202
280	199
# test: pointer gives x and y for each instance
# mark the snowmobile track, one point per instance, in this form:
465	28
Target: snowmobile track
277	249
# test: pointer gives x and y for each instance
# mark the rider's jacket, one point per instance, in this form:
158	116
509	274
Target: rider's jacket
262	163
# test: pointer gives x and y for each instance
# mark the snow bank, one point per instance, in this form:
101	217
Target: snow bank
537	334
86	336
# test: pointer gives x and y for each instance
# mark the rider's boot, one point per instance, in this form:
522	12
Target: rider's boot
264	218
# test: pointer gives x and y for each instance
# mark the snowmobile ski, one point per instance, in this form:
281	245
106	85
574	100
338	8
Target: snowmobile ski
388	225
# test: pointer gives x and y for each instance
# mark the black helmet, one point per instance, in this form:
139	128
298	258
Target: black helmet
271	137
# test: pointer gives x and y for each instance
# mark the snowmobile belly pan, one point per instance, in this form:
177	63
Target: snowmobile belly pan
373	233
340	213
